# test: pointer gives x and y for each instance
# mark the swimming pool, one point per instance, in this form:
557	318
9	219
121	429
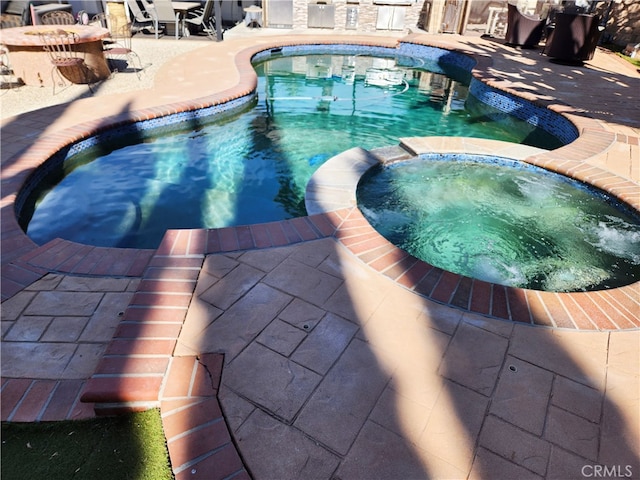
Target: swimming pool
253	165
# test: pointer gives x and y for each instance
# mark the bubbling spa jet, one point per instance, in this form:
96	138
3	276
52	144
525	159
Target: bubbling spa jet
503	222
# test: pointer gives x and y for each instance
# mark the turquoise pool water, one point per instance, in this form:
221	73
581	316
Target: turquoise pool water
504	222
253	167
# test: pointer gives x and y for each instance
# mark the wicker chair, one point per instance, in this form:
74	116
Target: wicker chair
574	38
523	30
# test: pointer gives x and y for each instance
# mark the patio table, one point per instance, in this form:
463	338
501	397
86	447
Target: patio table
30	62
182	8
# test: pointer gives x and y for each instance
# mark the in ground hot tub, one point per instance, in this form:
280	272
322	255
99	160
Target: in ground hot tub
503	221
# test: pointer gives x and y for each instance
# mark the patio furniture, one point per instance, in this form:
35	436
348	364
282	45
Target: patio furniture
7	79
29	12
523	30
253	16
67	63
574	37
57	17
10	21
15	14
172	15
142	19
40	8
30	61
496	21
118	46
202	20
164	14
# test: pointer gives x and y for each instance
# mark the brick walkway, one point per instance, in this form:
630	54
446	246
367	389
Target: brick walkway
322	365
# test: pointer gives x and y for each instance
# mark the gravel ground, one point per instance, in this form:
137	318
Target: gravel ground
27	98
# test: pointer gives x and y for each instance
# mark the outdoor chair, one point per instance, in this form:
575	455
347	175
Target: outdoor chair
8	80
164	14
118	47
142	19
523	30
57	17
202	20
574	37
10	21
68	64
15	13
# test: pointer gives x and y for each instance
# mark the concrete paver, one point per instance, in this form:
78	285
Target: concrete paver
25	359
278	384
565	392
67	321
474	358
281	337
522	395
483	397
260	434
521	447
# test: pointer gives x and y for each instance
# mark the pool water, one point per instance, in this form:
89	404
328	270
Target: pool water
503	222
254	167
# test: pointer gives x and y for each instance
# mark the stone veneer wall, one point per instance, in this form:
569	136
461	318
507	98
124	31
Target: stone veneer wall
623	25
624	22
367	15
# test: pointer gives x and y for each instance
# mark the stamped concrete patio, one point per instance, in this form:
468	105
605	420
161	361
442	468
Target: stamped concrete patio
278	351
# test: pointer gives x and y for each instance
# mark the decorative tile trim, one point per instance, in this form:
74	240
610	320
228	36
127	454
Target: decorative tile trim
535	115
142	129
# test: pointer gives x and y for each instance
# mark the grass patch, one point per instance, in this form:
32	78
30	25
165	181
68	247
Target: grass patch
617	49
632	61
126	447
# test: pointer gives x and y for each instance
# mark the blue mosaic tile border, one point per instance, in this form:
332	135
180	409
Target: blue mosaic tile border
439	60
157	125
143	129
337	49
539	117
437	55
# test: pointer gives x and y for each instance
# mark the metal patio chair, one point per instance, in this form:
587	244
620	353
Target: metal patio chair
202	20
8	79
68	63
142	19
117	47
164	14
57	17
